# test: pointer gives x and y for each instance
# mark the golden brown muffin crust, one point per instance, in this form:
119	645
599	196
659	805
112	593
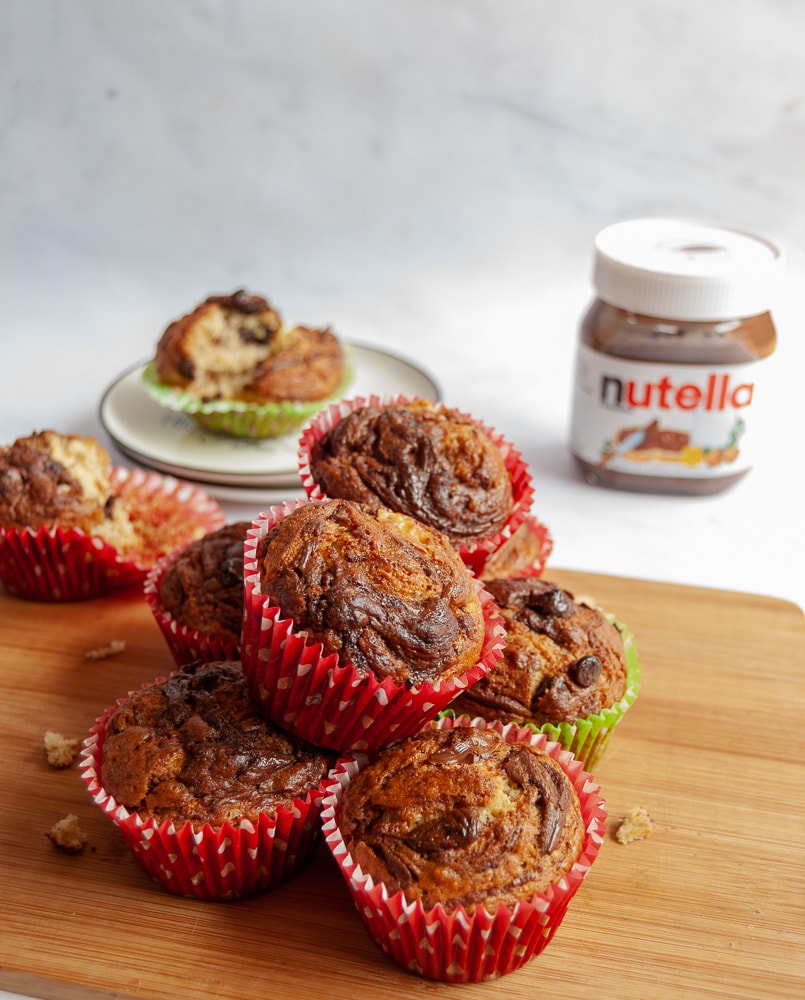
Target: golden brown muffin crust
202	587
235	347
461	817
42	482
429	462
307	364
563	660
50	480
222	335
194	748
388	594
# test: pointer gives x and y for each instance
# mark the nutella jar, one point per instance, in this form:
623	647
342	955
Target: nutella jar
669	359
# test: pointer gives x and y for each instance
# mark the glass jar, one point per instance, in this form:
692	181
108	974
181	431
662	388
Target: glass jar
668	356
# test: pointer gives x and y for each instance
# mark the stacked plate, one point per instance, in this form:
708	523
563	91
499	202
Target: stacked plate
230	468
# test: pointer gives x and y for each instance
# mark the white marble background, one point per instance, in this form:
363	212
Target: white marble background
427	176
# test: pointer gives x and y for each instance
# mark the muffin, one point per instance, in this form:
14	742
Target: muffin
213	801
360	623
567	668
422	459
49	479
235	368
462	845
196	596
73	526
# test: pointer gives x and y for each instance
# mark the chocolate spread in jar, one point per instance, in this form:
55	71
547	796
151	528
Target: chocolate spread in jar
668	356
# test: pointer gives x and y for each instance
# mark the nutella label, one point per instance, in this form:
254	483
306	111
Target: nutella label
660	419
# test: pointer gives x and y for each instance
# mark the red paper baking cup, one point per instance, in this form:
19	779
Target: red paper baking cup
328	703
186	644
506	562
475	554
59	564
462	947
209	863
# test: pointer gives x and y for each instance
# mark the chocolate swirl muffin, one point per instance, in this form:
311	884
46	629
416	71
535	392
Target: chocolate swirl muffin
202	587
194	749
419	459
235	347
563	660
50	480
463	818
386	593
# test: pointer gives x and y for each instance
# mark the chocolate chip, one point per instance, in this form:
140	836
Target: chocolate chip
246	303
260	336
231	570
585	671
186	368
552	602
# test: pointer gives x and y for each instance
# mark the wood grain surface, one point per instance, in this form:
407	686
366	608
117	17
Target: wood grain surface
712	904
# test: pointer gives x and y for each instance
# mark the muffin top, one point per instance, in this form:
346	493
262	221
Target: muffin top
386	593
49	480
461	817
202	587
194	749
235	347
562	661
423	460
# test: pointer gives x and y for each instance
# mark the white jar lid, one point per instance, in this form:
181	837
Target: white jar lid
684	270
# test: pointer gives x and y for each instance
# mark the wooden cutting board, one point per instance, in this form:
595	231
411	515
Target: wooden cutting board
712	904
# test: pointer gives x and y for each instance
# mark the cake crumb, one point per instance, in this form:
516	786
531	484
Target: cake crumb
104	652
61	750
67	835
636	825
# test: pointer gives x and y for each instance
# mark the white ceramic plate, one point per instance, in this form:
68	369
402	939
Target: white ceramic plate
174	444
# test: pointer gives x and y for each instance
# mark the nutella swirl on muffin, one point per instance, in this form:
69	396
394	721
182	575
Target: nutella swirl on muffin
49	480
563	659
388	594
423	460
193	748
462	817
202	587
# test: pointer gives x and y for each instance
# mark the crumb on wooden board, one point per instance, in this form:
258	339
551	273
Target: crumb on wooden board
61	750
635	825
111	648
67	835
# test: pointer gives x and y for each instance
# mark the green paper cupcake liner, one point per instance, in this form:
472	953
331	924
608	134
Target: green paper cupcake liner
587	738
234	418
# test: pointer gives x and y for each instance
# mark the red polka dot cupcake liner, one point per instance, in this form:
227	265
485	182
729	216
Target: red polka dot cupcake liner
461	946
523	554
207	862
57	564
185	644
475	554
314	695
